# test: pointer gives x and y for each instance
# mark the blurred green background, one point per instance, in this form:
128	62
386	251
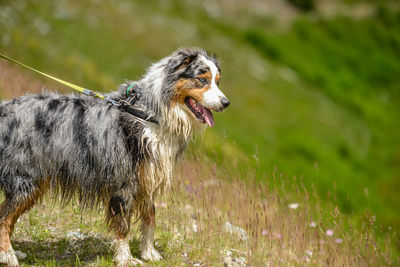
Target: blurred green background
314	85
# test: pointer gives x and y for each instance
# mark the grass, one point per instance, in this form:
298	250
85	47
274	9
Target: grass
359	70
191	228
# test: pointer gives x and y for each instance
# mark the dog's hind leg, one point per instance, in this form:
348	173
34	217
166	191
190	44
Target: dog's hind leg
7	254
10	210
148	252
118	216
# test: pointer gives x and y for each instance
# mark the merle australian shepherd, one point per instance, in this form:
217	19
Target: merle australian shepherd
83	148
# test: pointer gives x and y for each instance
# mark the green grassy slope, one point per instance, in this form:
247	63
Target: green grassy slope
319	101
355	64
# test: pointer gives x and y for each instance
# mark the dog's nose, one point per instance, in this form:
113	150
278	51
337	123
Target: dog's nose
225	102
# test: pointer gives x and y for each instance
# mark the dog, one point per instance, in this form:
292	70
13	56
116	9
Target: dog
81	148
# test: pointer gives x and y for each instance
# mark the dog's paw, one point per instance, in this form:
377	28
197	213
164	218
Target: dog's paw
9	258
125	262
151	254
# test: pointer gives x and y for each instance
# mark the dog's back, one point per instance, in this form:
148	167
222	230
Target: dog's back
62	141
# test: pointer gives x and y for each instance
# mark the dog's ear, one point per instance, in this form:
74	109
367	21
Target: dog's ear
182	59
188	60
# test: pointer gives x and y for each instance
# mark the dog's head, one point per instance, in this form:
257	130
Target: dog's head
193	78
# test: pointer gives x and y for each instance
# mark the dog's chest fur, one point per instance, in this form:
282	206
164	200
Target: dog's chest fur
156	171
164	144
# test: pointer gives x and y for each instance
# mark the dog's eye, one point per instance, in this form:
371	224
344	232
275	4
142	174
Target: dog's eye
203	80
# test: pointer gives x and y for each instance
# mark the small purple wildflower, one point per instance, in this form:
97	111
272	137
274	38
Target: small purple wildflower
338	241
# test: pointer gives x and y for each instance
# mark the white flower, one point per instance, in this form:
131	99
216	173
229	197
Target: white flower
312	224
329	232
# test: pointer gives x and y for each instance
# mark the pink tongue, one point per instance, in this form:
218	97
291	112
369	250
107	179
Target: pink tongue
208	117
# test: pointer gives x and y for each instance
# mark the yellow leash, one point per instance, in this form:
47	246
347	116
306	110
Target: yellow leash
133	96
71	85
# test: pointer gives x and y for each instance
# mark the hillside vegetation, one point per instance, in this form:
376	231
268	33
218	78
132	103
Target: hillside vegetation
314	117
208	218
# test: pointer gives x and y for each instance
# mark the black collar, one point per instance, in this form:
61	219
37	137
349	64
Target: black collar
128	105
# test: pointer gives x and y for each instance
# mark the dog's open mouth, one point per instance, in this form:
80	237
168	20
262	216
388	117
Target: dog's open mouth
200	112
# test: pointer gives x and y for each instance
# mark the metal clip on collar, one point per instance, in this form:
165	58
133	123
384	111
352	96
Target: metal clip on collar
112	101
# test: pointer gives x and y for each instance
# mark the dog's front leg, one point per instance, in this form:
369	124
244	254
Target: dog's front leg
122	253
119	216
148	252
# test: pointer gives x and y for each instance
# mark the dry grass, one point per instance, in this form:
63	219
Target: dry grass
14	82
192	220
278	233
